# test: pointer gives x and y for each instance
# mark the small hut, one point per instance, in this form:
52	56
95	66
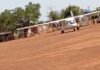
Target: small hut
27	31
6	36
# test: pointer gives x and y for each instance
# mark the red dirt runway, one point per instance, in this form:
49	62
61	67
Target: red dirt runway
78	50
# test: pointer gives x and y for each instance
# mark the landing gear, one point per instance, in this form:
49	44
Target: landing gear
62	31
78	28
74	29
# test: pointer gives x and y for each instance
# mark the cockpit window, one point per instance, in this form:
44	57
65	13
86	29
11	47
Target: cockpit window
72	22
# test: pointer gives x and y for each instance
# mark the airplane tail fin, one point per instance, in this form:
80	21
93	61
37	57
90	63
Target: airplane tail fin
71	12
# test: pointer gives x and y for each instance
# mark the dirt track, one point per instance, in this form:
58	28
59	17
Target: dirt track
78	50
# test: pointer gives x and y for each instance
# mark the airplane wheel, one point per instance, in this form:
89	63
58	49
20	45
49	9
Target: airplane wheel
74	29
78	28
62	31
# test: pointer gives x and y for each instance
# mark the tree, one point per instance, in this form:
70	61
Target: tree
18	13
98	8
66	12
18	16
53	15
94	16
10	19
6	21
40	22
32	12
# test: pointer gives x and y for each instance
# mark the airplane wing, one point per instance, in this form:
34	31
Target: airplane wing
72	17
56	21
87	14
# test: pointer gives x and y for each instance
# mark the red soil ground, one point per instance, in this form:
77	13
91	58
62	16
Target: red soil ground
78	50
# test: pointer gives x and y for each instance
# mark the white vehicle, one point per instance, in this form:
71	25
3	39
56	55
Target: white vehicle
62	24
71	21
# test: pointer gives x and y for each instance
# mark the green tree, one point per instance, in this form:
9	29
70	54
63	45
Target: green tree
53	15
6	21
32	12
18	13
9	19
98	8
18	16
66	12
94	16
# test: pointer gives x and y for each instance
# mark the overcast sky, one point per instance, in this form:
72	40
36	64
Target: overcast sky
47	4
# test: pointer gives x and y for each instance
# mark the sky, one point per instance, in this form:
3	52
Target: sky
46	5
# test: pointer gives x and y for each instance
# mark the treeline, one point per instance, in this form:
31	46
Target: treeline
19	17
64	13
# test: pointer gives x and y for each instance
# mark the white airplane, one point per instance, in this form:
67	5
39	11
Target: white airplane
62	24
70	23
